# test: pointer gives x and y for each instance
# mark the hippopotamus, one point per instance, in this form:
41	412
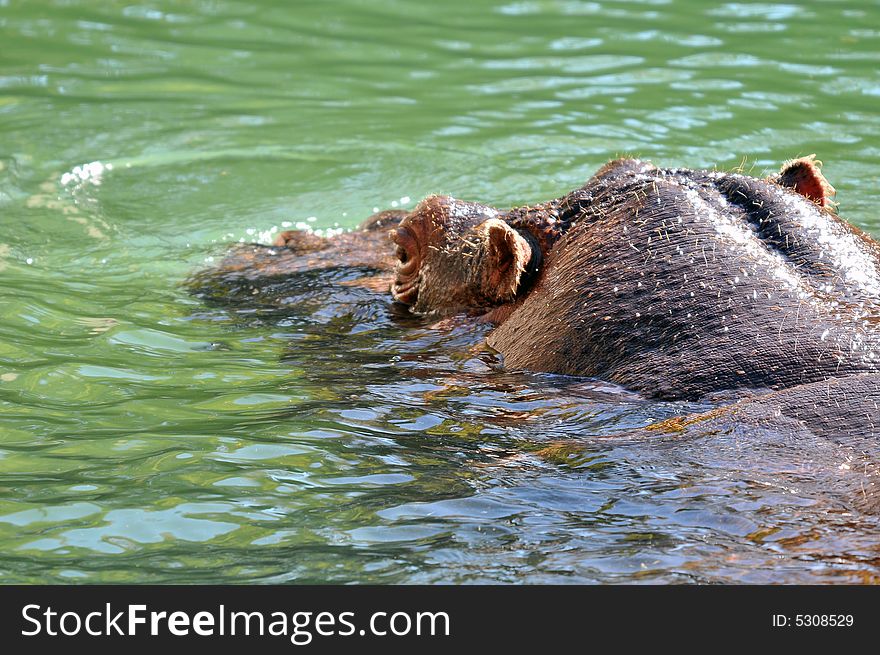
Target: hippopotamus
671	282
676	283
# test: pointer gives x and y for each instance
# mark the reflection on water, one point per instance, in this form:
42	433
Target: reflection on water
312	432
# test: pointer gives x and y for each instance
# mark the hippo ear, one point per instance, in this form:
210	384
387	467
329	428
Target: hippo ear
803	175
506	257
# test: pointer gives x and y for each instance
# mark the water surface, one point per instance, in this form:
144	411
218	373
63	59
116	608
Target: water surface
147	435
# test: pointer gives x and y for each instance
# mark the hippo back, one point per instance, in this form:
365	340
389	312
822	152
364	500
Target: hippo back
678	283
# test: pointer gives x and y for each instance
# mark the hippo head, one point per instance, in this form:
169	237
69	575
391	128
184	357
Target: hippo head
455	256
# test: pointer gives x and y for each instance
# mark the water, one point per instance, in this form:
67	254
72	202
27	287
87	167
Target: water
149	435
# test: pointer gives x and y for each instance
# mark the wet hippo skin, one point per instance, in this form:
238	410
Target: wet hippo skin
671	282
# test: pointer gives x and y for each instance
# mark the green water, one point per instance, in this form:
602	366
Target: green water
147	435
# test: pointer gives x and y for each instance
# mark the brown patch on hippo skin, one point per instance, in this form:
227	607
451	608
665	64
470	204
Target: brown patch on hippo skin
803	175
382	220
572	455
561	452
678	424
300	241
